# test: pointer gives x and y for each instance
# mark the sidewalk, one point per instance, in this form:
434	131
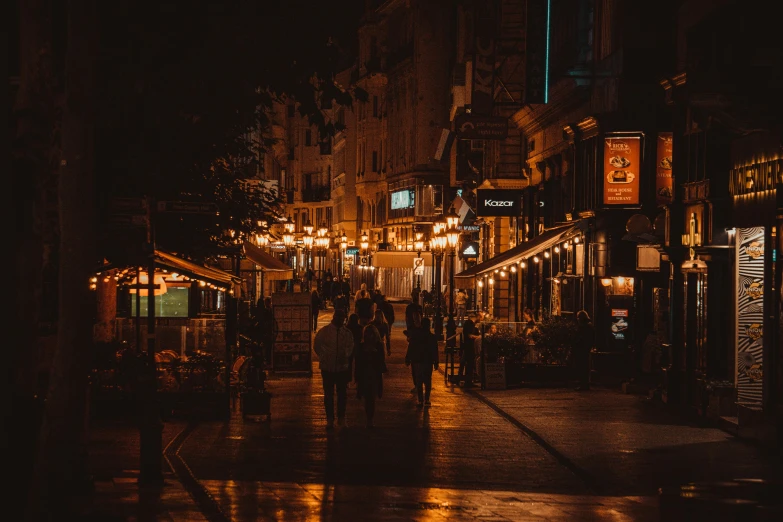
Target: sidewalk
627	444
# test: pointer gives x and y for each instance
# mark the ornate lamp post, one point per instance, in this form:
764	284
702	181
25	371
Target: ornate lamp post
289	240
364	245
418	244
343	248
308	227
322	242
452	238
438	244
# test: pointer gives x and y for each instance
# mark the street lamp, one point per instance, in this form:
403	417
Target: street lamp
438	244
289	225
308	227
418	244
343	249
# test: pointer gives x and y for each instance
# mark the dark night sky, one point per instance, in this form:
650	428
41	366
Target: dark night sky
299	29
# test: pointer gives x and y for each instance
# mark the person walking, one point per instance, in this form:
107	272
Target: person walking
422	355
335	289
467	360
461	302
583	344
340	302
370	366
334	348
315	307
379	320
267	328
411	310
388	313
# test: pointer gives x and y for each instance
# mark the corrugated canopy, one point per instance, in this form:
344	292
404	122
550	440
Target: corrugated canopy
195	271
547	239
273	268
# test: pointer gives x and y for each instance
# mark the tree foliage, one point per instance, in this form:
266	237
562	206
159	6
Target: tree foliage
189	87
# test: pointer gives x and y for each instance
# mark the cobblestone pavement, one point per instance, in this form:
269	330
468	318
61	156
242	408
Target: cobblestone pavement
528	454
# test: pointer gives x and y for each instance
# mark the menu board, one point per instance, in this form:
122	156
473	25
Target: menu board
293	332
664	182
622	165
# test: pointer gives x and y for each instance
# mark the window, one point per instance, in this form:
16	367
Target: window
381	167
375	106
308	137
375	161
329	217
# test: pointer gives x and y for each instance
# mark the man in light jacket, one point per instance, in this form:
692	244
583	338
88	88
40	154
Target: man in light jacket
334	348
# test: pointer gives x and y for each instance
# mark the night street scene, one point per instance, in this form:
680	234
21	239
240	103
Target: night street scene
394	260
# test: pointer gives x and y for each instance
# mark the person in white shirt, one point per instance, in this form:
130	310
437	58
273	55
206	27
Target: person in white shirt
334	348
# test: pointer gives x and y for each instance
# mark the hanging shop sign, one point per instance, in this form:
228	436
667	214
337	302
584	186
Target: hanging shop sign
750	314
470	249
664	182
498	202
351	251
402	199
622	164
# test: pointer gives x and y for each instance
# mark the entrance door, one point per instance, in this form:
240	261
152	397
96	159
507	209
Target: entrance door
695	333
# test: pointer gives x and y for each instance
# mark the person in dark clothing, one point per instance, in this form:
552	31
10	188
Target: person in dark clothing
356	329
315	307
365	307
336	289
467	360
370	365
583	344
422	355
410	310
267	329
346	288
340	302
388	312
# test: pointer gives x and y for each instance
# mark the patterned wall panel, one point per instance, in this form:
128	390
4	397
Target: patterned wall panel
750	313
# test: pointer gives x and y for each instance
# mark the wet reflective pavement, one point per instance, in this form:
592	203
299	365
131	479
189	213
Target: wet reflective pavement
527	454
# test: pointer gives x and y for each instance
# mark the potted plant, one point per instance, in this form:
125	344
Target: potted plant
554	338
505	345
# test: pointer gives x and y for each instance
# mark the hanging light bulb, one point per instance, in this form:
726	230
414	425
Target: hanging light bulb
502	273
536	259
491	281
576	240
480	284
522	264
546	254
557	250
513	269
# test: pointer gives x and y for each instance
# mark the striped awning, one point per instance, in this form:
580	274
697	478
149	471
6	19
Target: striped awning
193	270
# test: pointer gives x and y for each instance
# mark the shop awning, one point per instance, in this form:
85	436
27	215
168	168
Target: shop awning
547	239
193	270
273	269
398	259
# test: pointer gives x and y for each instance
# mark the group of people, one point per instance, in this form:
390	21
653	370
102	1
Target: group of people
353	351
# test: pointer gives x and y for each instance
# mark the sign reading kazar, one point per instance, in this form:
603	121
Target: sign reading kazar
622	165
498	202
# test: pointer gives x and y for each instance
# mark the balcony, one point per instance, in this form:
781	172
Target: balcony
316	194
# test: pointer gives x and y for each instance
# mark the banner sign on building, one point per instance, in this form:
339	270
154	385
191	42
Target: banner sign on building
483	79
664	183
498	202
536	83
750	314
622	165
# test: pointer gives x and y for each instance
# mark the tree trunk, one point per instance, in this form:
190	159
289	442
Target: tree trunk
61	463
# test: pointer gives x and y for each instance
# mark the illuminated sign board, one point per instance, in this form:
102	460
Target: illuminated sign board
622	167
402	199
497	202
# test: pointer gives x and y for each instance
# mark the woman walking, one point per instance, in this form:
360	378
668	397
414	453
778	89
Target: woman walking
370	365
423	356
383	329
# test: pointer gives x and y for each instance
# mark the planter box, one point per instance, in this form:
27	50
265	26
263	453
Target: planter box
539	373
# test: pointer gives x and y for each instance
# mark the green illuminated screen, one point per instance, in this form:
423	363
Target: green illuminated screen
174	303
